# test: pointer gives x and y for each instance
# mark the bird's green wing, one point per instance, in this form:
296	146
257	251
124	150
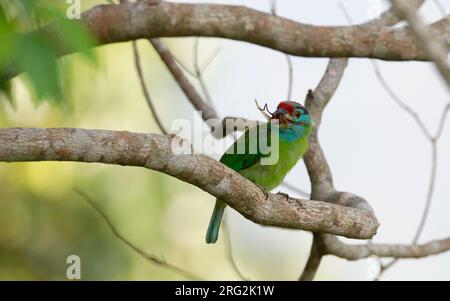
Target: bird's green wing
245	152
248	149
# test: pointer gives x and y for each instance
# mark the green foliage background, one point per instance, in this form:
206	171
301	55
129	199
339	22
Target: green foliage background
42	221
35	52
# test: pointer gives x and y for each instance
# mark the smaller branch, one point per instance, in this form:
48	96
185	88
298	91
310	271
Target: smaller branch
389	90
138	65
199	72
385	266
198	69
334	246
432	182
208	61
442	122
273	7
290	76
314	259
229	251
434	153
345	12
136	249
183	65
433	141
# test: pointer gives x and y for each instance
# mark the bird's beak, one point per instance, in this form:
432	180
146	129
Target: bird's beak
282	116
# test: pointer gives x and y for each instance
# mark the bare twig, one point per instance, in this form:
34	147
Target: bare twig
229	250
208	61
429	198
402	104
273	11
199	70
314	259
442	122
290	76
116	232
191	93
433	140
137	62
184	66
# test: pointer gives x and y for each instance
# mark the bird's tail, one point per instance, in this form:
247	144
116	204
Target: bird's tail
214	222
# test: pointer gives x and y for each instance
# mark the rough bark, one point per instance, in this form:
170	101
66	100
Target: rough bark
154	19
155	152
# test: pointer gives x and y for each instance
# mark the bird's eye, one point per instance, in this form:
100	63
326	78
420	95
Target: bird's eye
297	114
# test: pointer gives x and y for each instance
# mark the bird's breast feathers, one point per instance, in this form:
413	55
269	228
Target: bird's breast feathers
270	176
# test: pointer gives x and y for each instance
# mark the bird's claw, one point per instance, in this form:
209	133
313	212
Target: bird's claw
283	194
266	194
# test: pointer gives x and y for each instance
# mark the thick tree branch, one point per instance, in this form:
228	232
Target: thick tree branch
153	19
155	152
145	19
316	163
435	50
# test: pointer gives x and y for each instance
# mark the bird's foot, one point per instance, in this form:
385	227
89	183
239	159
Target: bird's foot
283	194
266	194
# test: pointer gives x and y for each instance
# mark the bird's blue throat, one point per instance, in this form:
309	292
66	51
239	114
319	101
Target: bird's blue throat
293	133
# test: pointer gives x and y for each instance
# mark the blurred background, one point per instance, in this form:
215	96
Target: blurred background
374	149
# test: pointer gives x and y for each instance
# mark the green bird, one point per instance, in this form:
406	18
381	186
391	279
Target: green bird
292	123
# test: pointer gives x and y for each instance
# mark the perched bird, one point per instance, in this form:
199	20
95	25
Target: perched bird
292	122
